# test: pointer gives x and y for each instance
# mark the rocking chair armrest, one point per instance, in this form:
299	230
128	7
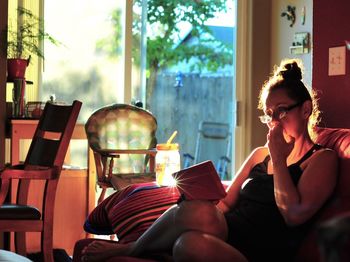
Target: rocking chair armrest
117	152
40	174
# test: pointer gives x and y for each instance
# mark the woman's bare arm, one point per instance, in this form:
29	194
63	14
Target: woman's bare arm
254	158
298	204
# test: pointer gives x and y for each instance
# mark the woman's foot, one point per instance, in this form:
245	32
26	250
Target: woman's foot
102	250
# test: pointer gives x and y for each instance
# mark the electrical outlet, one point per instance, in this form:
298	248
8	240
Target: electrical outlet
336	61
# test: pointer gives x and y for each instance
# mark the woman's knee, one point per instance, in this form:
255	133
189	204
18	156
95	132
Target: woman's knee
202	216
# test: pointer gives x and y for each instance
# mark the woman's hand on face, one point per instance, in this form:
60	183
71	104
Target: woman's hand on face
279	148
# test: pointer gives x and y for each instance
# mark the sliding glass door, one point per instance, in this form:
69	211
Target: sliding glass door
184	73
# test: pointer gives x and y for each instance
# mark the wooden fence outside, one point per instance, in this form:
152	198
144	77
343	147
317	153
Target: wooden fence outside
201	98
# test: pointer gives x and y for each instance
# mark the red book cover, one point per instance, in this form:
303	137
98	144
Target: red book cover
200	182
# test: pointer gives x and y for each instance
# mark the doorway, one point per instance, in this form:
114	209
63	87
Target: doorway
186	75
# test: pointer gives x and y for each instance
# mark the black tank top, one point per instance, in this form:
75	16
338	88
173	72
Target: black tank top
257	197
256	226
259	185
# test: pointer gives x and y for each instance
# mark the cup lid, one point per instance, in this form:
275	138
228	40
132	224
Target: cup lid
172	146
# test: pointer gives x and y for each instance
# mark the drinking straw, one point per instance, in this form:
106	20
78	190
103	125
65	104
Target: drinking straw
171	137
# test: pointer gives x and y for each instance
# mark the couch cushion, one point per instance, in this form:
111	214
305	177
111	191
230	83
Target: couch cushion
338	140
98	222
134	214
129	212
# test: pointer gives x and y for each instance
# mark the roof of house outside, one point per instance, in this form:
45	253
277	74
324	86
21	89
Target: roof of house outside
222	34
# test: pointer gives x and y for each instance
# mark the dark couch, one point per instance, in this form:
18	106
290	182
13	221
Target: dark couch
329	236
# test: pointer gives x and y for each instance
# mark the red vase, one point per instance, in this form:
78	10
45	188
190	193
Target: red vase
16	68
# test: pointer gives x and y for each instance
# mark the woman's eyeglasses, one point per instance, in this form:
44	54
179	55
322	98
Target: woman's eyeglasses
278	114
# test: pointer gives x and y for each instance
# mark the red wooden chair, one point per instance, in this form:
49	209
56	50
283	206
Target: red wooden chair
43	162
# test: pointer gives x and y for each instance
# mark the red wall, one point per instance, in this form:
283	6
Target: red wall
331	26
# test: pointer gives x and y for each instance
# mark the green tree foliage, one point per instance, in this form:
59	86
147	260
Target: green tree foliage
164	18
113	44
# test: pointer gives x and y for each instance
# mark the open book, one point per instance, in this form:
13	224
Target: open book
200	182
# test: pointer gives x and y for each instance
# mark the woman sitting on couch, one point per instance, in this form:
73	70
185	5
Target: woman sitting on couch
270	203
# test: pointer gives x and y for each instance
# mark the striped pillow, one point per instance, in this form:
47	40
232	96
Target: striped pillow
134	214
98	222
130	211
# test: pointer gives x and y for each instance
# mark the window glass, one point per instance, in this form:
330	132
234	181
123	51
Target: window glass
189	72
82	67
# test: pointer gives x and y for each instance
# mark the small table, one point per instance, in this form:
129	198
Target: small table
25	128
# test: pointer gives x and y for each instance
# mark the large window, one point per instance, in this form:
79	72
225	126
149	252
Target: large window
80	68
175	57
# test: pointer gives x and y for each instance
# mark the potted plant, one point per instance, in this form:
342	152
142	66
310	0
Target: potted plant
24	39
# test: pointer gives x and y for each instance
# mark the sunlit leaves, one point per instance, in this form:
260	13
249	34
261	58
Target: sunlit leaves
165	35
112	45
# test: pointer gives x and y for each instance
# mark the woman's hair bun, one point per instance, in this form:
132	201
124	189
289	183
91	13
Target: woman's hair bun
291	71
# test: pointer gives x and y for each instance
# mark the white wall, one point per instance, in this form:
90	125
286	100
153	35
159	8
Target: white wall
282	34
271	37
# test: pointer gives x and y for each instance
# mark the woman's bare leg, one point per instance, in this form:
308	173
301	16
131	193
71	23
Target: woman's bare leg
196	246
189	215
201	216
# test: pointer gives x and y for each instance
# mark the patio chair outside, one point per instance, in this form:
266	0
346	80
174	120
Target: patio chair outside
213	143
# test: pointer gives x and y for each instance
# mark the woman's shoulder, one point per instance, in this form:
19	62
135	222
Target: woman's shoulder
328	154
258	155
323	156
255	157
325	152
